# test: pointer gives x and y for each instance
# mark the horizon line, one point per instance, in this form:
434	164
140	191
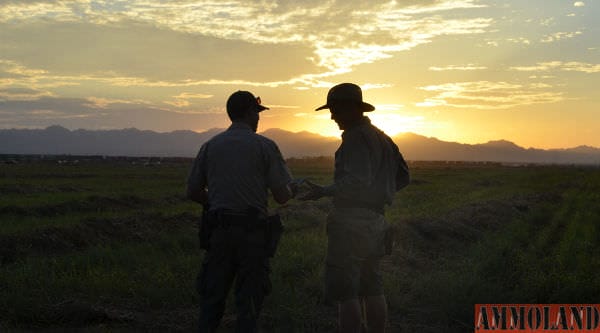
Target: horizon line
288	131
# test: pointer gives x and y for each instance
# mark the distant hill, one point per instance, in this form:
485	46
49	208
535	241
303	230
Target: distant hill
134	142
417	147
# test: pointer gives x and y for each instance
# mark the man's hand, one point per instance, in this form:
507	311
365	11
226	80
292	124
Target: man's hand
294	185
287	192
315	191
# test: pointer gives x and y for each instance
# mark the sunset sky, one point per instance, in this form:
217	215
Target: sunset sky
460	70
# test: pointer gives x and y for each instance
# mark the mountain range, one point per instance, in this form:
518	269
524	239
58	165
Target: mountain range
57	140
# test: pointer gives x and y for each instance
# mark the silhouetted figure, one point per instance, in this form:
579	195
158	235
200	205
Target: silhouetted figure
230	177
369	169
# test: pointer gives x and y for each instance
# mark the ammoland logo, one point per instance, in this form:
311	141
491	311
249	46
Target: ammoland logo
537	318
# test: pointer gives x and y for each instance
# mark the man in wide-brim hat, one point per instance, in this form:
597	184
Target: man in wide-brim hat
369	169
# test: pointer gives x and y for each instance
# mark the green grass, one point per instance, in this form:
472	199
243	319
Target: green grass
113	246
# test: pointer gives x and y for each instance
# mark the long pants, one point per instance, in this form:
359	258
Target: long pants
235	255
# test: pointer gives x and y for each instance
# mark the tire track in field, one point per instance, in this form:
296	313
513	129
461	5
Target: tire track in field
92	231
425	243
92	203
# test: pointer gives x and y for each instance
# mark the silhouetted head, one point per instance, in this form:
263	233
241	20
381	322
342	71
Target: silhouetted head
346	104
244	107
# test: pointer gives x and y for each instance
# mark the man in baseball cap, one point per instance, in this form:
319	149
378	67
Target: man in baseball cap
242	104
369	169
230	178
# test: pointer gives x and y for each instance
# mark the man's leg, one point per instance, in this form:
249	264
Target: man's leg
349	317
252	282
376	313
214	283
371	291
213	294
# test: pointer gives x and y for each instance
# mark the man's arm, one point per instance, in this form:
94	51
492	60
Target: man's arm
357	171
282	194
402	176
279	178
196	183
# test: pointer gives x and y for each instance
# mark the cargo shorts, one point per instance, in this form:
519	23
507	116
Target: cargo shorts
354	250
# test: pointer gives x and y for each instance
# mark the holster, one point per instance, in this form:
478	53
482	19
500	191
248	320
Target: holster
389	239
273	231
206	228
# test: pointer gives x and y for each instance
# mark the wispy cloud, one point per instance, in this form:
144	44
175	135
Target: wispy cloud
54	10
18	70
22	94
183	99
38	79
378	29
276	106
485	95
559	35
89	113
572	66
579	4
519	40
104	103
388	107
469	67
371	86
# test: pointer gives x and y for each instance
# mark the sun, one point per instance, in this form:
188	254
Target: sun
393	123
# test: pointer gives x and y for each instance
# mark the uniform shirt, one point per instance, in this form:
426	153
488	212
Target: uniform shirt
369	168
238	166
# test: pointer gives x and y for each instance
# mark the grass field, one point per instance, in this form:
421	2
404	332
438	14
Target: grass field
111	246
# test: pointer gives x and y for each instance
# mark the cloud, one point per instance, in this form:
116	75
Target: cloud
48	107
469	67
134	49
89	113
519	40
579	4
371	86
486	95
16	11
18	70
22	94
559	35
104	103
388	107
572	66
41	79
376	31
276	106
182	100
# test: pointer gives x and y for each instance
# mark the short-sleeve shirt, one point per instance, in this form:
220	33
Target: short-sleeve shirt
237	167
369	167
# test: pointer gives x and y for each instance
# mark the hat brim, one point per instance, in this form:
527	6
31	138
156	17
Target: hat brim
365	107
260	108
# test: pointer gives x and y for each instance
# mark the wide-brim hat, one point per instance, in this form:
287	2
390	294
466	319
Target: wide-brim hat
346	92
244	100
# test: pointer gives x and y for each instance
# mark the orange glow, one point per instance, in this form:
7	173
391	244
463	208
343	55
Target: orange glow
393	124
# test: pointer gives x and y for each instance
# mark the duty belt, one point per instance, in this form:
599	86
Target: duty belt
250	222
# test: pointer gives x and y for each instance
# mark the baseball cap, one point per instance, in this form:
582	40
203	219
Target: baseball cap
346	92
240	101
